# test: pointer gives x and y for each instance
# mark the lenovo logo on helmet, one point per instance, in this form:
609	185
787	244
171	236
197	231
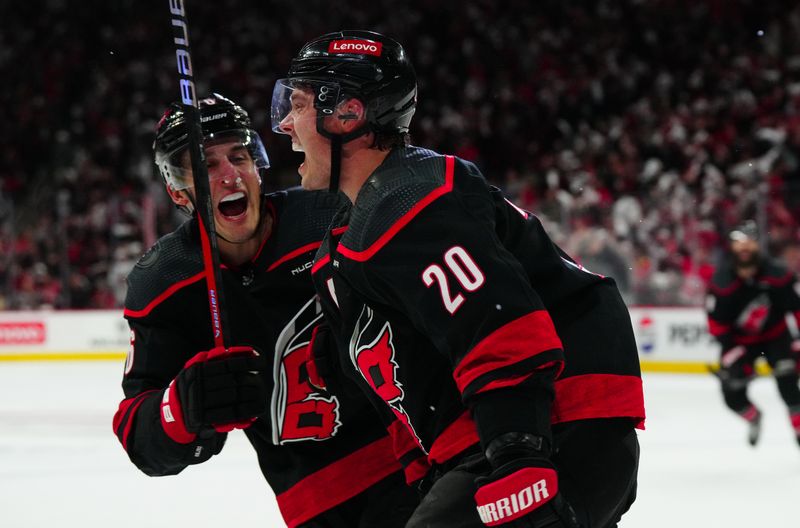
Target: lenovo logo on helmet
355	46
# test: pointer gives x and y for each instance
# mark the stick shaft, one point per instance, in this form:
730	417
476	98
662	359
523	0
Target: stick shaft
202	190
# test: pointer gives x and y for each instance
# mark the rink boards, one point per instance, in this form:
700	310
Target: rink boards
669	339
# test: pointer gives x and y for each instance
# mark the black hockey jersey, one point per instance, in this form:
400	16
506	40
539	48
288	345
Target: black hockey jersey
446	294
315	449
747	312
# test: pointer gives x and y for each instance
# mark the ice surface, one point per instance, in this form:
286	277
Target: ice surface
61	466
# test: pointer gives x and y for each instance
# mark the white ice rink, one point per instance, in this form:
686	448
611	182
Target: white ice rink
61	466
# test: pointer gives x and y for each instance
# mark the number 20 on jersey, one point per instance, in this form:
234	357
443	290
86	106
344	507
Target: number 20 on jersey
457	263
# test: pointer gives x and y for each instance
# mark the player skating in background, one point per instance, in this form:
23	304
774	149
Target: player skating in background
451	306
326	455
748	302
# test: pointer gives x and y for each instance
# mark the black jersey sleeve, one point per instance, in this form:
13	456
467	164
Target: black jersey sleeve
443	266
137	422
160	299
789	292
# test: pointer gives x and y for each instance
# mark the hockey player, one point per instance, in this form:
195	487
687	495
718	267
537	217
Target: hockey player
748	302
326	455
514	369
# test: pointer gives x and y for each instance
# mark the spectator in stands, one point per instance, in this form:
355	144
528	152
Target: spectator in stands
691	118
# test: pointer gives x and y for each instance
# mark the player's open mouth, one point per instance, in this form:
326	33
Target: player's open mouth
233	205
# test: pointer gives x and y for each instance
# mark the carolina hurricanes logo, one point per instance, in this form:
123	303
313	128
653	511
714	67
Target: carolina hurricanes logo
754	315
299	411
375	361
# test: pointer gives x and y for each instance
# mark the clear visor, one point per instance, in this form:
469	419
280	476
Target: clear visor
243	147
293	97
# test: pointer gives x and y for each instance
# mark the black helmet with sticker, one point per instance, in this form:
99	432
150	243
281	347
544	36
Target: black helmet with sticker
353	64
221	119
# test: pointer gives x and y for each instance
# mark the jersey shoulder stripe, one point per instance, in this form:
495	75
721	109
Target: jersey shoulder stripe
301	220
724	281
776	274
174	262
392	197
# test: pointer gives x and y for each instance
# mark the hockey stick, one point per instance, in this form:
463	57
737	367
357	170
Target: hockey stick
203	204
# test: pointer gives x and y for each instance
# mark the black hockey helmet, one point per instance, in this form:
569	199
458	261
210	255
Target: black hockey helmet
746	230
220	118
349	64
353	64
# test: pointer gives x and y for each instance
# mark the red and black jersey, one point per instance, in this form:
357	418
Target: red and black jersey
315	449
748	312
449	297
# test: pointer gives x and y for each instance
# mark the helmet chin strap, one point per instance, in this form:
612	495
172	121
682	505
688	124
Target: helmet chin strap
337	140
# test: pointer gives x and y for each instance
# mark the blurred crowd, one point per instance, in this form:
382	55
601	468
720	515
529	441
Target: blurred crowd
639	131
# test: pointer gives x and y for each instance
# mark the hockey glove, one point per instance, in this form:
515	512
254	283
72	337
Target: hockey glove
317	360
731	356
219	389
522	490
324	370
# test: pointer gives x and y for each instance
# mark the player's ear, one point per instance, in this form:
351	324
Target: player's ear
351	115
178	197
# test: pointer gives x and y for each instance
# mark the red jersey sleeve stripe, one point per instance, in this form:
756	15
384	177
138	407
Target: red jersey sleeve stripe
716	328
598	396
778	281
127	408
320	264
163	296
456	437
516	380
443	189
323	490
727	290
581	397
771	333
516	341
292	254
417	469
402	441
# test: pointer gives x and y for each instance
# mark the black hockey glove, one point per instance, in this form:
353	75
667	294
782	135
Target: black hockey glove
323	367
219	389
522	489
318	360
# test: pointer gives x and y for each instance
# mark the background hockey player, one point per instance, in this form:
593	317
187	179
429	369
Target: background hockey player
749	300
326	455
451	306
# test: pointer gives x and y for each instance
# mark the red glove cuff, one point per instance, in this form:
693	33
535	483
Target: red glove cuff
515	495
172	416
